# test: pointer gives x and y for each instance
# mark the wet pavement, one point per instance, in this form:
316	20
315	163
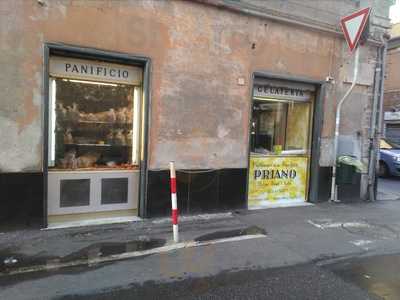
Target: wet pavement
290	262
113	248
375	277
379	275
10	260
389	188
300	282
253	230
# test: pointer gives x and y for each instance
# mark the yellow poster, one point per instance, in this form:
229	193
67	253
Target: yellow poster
277	180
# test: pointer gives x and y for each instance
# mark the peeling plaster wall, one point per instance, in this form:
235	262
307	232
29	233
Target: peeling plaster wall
392	82
20	94
356	110
199	113
392	78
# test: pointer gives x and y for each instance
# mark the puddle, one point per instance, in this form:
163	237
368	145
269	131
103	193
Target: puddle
230	233
86	233
10	260
113	248
378	275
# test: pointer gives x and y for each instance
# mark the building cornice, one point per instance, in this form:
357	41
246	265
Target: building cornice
273	15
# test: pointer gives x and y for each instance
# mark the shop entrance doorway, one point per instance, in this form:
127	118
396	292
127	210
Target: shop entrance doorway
280	143
93	140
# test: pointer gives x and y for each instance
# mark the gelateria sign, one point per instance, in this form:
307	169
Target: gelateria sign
66	67
277	180
281	92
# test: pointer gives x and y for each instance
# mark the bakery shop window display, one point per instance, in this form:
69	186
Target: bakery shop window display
93	125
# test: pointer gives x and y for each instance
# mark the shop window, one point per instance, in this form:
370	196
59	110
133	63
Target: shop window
280	126
94	125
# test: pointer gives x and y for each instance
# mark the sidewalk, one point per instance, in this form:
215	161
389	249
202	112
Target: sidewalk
388	188
318	234
293	235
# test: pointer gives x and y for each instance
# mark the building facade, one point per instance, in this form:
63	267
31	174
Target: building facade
391	122
99	96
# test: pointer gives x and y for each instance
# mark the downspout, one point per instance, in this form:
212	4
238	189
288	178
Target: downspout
337	124
376	126
372	135
381	94
384	52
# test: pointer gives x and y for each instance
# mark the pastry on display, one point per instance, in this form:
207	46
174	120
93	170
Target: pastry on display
106	116
69	161
111	164
110	137
111	116
93	135
129	116
119	138
73	113
68	139
61	112
128	137
121	115
88	160
90	117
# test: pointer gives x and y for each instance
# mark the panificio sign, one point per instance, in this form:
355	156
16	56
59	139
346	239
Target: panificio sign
67	67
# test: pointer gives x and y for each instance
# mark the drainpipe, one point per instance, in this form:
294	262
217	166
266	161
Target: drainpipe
376	126
337	124
373	126
380	119
381	93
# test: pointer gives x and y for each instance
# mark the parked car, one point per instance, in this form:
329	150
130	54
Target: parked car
389	160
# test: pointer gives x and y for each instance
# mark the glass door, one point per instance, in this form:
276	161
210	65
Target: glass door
279	150
93	149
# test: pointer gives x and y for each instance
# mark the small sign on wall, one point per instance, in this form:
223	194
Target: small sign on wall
67	67
281	90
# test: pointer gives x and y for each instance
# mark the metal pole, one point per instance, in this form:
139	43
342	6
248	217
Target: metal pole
373	130
381	94
174	202
337	124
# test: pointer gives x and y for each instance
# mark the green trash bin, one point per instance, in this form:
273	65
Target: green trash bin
345	173
347	168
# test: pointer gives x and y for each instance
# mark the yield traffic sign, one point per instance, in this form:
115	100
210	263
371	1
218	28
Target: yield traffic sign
353	26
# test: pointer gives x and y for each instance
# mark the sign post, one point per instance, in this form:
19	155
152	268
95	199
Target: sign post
352	26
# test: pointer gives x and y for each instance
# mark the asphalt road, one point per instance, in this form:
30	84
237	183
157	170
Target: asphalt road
371	277
298	282
389	188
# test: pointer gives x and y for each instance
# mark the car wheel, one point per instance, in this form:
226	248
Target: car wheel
383	169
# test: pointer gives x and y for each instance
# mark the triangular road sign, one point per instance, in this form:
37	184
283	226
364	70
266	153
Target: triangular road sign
353	26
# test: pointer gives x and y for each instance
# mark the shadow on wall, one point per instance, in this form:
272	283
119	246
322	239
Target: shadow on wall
21	200
198	191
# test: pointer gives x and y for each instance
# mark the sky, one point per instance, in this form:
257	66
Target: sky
395	12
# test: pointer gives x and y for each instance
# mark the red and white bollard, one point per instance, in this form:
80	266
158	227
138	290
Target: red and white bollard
174	202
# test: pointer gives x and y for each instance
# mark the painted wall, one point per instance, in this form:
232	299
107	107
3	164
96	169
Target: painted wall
392	81
199	111
391	102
